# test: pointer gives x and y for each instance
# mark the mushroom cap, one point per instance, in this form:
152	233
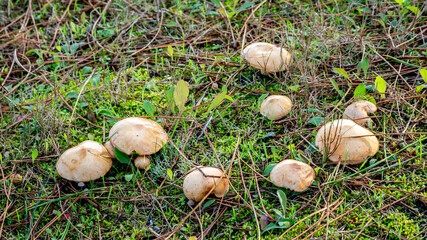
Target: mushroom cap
276	107
292	174
344	139
358	112
196	185
142	162
85	162
110	149
138	135
267	57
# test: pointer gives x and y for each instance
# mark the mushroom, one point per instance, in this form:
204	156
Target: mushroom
358	112
138	135
16	178
85	162
110	149
276	107
292	174
197	184
345	140
142	162
266	57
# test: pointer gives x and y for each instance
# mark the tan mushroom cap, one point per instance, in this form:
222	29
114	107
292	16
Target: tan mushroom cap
196	185
292	174
276	107
85	162
142	162
138	135
358	112
266	57
344	139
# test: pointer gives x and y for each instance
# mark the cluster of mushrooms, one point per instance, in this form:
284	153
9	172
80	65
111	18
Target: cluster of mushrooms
343	140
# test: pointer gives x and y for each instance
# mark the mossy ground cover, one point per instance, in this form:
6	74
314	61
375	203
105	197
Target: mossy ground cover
70	69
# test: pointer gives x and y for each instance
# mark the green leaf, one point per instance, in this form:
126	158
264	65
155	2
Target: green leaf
229	98
336	87
316	120
208	203
180	94
245	6
423	73
149	108
294	88
261	99
369	98
217	100
283	200
421	87
269	168
364	65
170	50
283	223
380	85
121	156
170	174
360	91
128	177
341	72
72	95
414	10
34	154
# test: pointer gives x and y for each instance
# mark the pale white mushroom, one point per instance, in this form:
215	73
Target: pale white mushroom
292	174
142	162
138	135
197	184
346	141
276	107
358	112
266	57
85	162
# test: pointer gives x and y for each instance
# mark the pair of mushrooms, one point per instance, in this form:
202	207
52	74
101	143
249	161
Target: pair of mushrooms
91	160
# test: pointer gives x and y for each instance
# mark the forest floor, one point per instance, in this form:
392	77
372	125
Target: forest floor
69	70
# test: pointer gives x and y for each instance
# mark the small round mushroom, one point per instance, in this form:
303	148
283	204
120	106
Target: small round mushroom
85	162
292	174
142	162
358	112
276	107
138	135
266	57
344	140
16	178
197	184
110	149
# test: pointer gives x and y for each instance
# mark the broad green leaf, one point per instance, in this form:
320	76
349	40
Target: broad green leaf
342	72
217	100
294	88
72	95
229	98
121	156
170	50
316	120
380	85
208	203
336	87
421	87
399	1
364	65
149	108
169	96
283	200
128	177
245	6
283	223
414	10
369	98
360	90
423	73
269	168
261	99
180	94
34	154
170	174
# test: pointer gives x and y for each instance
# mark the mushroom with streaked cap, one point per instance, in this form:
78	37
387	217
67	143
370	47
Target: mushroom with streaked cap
200	180
266	57
85	162
276	107
292	174
358	112
137	135
346	141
